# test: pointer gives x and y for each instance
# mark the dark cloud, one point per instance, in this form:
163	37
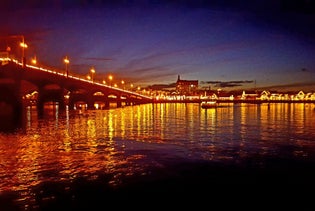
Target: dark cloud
306	86
226	84
161	86
241	82
235	82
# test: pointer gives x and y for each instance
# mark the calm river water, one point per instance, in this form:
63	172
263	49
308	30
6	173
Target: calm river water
81	158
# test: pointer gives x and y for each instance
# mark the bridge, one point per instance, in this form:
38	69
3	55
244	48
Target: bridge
22	84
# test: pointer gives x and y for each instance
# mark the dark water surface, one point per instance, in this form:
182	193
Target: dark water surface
163	155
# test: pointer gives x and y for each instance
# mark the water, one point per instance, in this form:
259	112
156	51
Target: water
73	159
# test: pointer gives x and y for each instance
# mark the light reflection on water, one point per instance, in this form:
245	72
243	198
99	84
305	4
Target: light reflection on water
132	140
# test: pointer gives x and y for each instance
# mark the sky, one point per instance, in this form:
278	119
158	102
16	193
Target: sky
238	44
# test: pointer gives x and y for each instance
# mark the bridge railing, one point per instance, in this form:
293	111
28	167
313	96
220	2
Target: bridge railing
6	60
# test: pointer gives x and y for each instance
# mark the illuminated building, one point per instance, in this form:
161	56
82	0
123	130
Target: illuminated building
186	87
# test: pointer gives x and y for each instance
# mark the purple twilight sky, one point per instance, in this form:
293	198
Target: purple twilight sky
223	44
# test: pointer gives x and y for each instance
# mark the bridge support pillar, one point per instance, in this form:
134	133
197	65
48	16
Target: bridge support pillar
54	96
106	104
12	115
12	112
90	107
40	106
71	105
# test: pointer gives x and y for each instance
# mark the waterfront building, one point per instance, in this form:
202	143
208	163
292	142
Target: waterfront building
249	95
186	87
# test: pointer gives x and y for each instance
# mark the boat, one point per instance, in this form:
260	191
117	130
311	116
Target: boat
209	104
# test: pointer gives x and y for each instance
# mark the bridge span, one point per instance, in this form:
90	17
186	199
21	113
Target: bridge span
22	83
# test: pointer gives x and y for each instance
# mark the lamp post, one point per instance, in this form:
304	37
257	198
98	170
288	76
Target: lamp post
110	77
34	60
92	70
123	84
66	61
23	45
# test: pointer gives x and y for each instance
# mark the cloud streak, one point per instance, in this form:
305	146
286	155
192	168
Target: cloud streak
227	84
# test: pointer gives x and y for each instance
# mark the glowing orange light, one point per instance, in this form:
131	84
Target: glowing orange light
23	45
34	60
66	60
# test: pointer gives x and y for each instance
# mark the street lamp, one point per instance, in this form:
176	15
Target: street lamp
123	84
92	70
34	60
23	45
110	77
66	61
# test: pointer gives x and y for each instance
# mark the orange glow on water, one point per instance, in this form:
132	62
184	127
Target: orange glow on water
129	141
